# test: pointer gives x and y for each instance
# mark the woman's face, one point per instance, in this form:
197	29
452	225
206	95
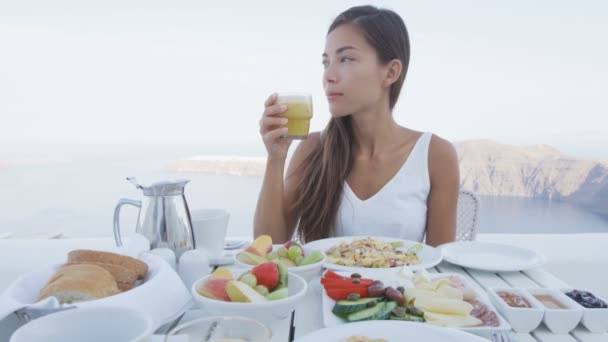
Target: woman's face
353	77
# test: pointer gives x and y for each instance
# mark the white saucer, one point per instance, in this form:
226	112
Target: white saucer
222	260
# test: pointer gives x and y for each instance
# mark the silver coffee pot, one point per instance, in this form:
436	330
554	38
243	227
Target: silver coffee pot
164	217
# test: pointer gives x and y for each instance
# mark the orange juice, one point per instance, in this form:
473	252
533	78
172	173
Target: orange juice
299	113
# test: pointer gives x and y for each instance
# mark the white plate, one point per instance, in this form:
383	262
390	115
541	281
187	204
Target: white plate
493	257
392	332
331	320
221	260
429	256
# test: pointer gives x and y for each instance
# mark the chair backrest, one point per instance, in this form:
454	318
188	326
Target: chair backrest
467	216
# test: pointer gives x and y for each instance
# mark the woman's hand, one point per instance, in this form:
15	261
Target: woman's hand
272	129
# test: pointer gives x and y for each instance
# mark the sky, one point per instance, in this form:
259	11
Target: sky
198	72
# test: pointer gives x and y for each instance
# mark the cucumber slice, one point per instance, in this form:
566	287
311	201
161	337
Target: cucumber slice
366	314
382	310
344	307
386	310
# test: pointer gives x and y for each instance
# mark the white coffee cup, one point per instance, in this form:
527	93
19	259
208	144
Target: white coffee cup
209	227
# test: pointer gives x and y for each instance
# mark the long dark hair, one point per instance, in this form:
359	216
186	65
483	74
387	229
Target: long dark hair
326	168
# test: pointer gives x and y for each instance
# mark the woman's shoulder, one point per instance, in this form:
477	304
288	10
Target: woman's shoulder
440	146
442	155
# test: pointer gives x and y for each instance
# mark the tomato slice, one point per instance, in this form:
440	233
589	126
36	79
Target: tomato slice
345	282
332	275
352	286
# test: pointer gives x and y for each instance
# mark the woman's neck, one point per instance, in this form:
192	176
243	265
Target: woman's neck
374	131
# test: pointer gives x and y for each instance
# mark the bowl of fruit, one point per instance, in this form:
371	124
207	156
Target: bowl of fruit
301	260
266	289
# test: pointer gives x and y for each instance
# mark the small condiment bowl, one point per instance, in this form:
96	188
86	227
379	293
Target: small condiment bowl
522	320
594	319
563	320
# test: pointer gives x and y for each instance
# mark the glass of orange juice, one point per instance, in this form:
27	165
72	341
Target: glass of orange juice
298	114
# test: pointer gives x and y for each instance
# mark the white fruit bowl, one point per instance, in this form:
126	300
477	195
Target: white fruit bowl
279	309
307	272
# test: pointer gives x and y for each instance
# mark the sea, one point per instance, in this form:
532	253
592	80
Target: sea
73	190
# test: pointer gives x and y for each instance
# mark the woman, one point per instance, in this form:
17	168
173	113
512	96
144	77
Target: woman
364	174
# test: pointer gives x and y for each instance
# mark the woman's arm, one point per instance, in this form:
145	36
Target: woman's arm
275	213
443	197
269	218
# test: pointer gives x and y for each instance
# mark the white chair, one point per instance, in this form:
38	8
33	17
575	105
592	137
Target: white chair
467	216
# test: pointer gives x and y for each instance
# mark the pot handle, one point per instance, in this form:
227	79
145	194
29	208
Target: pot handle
121	202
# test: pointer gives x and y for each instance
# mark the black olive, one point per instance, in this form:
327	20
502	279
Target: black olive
353	296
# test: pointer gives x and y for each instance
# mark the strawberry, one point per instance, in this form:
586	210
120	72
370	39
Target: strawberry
287	245
267	274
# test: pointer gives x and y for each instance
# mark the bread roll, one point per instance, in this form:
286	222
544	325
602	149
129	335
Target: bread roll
125	286
80	282
89	256
120	273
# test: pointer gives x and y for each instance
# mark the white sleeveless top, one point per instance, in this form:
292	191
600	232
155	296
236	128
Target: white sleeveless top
399	209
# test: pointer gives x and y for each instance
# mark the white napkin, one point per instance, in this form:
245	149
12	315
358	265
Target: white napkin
9	306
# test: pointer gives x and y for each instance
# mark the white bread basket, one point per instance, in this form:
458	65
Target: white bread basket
162	294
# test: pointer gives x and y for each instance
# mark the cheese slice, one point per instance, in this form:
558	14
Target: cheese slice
452	321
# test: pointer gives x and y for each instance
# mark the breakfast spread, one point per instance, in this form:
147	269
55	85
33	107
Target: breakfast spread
437	299
290	254
372	253
90	275
443	301
265	282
